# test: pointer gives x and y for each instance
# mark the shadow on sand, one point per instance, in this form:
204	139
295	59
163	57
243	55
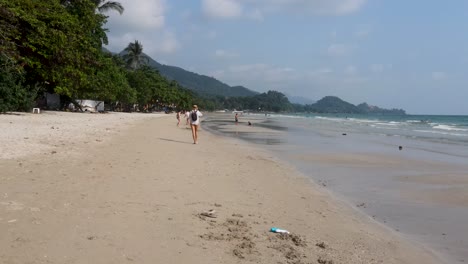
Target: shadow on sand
171	140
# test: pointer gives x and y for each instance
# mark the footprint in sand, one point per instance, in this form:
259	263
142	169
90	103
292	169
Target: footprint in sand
13	206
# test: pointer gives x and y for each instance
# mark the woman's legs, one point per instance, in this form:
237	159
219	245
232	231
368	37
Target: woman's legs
195	134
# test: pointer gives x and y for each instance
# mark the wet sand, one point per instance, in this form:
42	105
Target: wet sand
419	192
140	195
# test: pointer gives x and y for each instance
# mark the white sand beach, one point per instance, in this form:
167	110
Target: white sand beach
131	188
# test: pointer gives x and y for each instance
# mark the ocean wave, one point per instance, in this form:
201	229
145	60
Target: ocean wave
442	133
448	127
388	128
417	121
389	124
330	118
363	120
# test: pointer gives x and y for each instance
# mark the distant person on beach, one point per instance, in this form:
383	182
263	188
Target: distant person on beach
178	118
187	117
249	123
236	118
195	122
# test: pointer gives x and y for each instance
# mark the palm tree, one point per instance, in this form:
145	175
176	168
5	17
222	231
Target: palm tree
103	7
134	56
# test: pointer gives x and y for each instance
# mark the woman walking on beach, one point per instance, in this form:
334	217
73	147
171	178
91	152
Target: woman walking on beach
195	122
178	118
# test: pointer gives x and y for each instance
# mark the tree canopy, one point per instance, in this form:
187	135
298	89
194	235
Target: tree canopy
56	46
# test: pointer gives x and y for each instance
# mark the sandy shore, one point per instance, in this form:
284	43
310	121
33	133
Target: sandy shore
135	194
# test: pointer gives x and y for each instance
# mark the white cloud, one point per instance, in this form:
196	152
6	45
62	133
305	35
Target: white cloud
363	31
168	43
139	14
257	72
142	20
320	7
350	70
222	8
319	73
377	68
338	50
439	76
220	53
153	44
256	9
256	15
212	34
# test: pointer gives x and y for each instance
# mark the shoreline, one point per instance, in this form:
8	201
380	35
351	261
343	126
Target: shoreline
349	175
124	195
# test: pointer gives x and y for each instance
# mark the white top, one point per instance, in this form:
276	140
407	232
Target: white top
197	122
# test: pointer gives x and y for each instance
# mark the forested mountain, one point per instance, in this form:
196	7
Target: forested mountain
333	104
371	109
201	84
299	100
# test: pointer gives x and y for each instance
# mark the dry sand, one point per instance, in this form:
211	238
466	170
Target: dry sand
135	196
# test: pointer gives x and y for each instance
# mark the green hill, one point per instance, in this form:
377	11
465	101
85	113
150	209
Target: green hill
333	104
201	84
371	109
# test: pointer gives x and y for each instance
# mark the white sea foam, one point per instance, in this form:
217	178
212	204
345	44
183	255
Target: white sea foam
363	120
389	124
442	133
448	127
330	118
288	116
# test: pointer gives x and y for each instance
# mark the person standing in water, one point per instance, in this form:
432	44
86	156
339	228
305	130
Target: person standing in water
195	122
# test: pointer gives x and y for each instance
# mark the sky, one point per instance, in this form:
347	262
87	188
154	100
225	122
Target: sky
390	53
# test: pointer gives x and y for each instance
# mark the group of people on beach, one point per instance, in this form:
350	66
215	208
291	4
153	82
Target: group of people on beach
192	118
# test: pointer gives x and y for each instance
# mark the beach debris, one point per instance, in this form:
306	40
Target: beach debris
400	147
363	205
237	215
12	221
217	205
324	261
344	134
297	240
278	230
210	213
321	245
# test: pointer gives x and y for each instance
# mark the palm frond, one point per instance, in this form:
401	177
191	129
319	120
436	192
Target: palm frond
107	6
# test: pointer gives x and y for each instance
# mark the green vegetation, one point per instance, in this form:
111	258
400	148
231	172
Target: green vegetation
331	104
203	85
55	46
271	101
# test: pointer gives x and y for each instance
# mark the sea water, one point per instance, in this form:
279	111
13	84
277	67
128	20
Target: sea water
419	191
